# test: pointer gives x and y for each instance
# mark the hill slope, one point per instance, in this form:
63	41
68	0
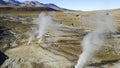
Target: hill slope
31	4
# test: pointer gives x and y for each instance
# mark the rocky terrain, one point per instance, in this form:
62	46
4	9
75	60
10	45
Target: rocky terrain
11	18
61	51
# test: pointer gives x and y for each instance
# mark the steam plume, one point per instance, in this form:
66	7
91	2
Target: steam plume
104	24
44	24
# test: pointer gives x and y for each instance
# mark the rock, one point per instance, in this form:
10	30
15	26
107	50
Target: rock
6	38
3	57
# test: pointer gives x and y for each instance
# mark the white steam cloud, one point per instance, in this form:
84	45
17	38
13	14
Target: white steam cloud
104	24
44	24
117	65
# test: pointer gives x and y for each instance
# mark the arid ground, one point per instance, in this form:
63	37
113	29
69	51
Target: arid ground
64	48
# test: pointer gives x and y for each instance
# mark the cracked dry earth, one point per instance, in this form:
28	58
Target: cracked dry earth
63	51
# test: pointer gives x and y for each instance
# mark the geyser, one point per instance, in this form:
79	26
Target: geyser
44	24
103	24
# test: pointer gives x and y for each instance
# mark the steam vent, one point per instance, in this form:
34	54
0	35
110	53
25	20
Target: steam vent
51	38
